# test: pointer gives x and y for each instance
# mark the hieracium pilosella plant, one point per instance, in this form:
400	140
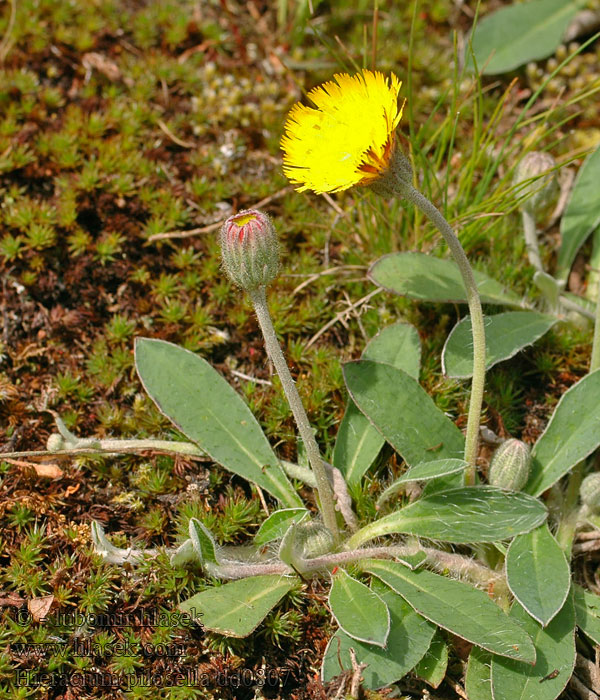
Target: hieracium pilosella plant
473	553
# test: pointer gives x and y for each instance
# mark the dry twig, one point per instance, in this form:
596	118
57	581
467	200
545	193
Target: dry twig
165	129
341	316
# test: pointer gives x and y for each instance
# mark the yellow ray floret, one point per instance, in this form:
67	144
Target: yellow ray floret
347	139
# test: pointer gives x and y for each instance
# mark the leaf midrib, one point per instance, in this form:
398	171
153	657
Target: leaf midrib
378	565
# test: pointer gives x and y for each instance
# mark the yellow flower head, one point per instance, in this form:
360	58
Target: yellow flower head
348	139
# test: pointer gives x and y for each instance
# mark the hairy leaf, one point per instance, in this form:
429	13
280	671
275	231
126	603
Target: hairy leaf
461	609
519	33
206	409
555	659
582	214
538	573
358	442
237	608
505	335
409	638
358	610
423	277
571	435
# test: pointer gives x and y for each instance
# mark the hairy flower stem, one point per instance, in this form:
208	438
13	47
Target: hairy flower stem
477	325
531	240
259	300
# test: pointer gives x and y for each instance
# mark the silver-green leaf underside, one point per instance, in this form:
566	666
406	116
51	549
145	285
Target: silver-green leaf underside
506	334
426	278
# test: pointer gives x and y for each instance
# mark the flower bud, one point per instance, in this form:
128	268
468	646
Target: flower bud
538	194
314	538
305	540
250	249
509	468
56	442
589	492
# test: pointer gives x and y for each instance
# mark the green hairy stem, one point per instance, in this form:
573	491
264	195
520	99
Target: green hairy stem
259	300
477	324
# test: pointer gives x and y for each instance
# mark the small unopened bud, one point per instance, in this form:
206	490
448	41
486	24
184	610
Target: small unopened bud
315	539
250	249
539	193
303	541
55	442
589	492
509	468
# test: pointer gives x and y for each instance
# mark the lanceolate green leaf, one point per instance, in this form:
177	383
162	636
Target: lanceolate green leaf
520	33
587	613
426	278
403	412
358	610
571	435
203	542
237	608
555	659
432	470
358	443
582	214
184	554
277	524
538	573
398	345
432	667
462	515
409	638
505	335
444	483
463	610
423	472
209	412
478	682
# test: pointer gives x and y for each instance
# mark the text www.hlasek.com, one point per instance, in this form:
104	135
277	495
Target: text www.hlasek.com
87	648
